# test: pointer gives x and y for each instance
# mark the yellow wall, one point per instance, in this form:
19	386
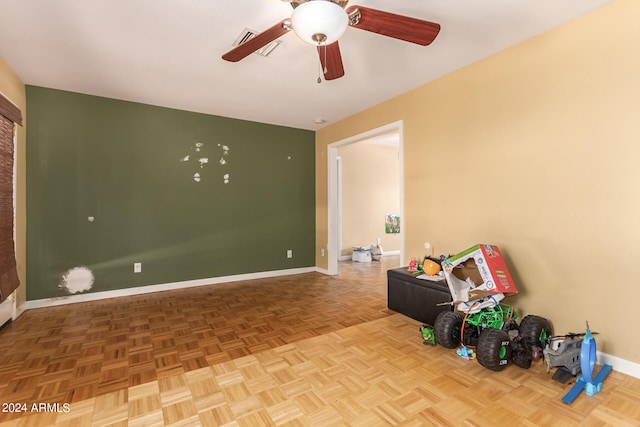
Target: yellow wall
13	89
370	190
536	150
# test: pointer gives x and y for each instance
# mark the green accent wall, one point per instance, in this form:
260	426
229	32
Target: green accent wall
111	183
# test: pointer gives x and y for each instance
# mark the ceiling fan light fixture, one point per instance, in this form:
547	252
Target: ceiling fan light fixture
319	21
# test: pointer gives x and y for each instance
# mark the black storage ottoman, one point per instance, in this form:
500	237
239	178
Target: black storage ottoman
416	298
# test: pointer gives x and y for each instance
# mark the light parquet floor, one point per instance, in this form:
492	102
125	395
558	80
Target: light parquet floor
305	350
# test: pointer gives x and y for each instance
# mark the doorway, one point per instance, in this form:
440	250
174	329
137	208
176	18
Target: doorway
335	187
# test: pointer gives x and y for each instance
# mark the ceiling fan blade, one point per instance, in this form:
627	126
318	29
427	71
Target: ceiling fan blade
264	38
331	61
388	24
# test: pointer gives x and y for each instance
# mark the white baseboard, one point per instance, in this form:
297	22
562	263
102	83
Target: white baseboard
94	296
7	310
20	309
391	253
323	271
618	364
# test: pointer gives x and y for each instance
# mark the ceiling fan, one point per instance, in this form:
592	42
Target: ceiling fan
322	22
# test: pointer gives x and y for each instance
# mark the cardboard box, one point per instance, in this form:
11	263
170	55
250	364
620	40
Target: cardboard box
478	272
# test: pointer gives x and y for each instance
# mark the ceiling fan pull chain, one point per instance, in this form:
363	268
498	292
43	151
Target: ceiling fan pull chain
325	58
320	65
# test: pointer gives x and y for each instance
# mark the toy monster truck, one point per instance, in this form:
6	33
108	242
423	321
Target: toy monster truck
478	280
495	334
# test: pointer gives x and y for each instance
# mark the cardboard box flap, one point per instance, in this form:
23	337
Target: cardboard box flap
478	272
468	270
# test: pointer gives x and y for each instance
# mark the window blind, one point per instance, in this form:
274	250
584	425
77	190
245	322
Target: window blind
9	114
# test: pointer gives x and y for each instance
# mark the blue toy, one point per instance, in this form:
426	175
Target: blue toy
587	363
465	352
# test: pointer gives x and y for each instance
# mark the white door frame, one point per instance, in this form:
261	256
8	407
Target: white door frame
333	189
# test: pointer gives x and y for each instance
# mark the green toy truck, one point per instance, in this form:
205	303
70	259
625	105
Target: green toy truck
478	281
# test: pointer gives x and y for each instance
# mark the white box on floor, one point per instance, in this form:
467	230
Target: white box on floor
361	255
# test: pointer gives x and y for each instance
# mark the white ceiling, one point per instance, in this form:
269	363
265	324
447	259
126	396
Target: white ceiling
168	52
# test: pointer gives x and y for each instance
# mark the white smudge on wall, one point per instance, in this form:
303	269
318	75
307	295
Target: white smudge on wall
76	280
223	161
203	161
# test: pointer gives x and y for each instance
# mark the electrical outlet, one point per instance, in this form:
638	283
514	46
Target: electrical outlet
289	253
137	267
322	252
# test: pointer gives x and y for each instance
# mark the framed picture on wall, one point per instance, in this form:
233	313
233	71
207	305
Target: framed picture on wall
392	223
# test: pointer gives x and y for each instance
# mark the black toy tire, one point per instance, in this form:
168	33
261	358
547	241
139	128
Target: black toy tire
447	329
535	330
521	354
494	349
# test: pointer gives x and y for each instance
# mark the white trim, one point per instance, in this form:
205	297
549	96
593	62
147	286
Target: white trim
20	309
71	299
390	253
339	204
322	271
618	364
8	309
333	219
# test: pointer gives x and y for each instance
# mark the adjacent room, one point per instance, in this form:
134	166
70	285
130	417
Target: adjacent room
184	184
